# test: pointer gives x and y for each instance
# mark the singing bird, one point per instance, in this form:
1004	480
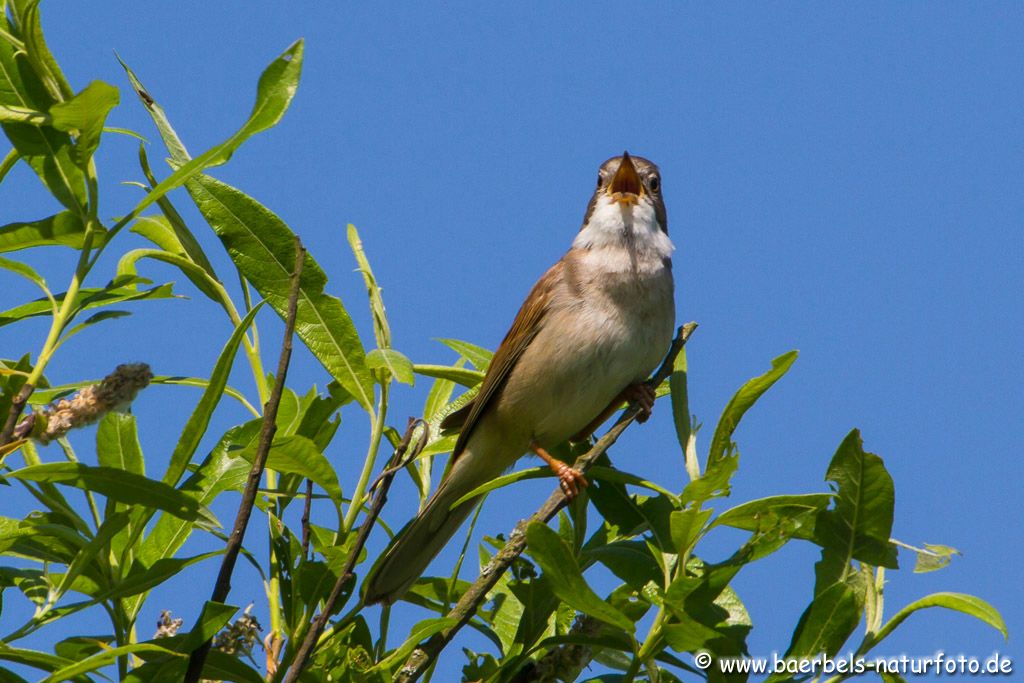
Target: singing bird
590	332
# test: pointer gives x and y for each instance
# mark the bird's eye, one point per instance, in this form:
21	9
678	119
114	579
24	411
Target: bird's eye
654	182
599	179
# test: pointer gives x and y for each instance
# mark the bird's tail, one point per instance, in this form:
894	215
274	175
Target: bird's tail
423	538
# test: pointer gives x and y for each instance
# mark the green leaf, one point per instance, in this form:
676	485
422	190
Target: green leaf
631	561
464	376
796	514
9	114
141	579
222	470
80	647
685	526
681	412
38	53
63	229
707	612
84	116
111	526
29	273
199	420
117	443
828	621
478	356
437	399
741	402
714	483
381	329
45	149
562	570
8	162
612	474
390	363
124	487
502	481
102	659
86	299
158	230
33	658
263	249
277	86
299	455
92	320
860	526
419	633
933	557
33	583
197	275
960	602
185	242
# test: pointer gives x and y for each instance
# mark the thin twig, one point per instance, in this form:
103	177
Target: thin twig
382	484
305	518
269	427
466	607
17	405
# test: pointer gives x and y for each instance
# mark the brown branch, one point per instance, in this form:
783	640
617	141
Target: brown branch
422	657
259	462
17	405
305	518
382	484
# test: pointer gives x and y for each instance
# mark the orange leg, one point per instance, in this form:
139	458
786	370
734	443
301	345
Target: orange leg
569	479
641	394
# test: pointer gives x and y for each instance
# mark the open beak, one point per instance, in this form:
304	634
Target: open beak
626	187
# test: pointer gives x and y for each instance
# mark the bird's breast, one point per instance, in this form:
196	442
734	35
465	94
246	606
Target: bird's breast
609	324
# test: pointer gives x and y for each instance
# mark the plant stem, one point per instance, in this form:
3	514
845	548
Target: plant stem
60	321
377	430
234	545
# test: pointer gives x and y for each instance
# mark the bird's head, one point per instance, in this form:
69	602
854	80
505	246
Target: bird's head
627	203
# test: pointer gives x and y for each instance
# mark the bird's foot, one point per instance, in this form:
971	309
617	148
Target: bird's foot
642	395
570	480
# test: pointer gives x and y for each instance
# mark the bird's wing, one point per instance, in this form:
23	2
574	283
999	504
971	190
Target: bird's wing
528	322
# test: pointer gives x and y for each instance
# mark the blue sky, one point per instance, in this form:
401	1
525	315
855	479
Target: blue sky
841	179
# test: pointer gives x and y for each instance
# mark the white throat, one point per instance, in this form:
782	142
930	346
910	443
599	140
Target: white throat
634	226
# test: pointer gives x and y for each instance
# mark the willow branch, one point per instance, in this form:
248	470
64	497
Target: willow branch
467	606
234	545
382	484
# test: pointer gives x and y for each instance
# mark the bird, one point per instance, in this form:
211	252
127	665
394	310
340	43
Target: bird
590	332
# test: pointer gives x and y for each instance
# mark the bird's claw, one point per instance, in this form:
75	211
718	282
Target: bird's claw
641	395
571	481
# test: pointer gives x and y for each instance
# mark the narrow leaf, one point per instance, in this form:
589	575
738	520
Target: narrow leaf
86	299
741	402
392	363
263	249
84	115
63	229
199	420
274	93
503	481
562	570
45	149
796	513
960	602
464	376
478	356
117	443
124	487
